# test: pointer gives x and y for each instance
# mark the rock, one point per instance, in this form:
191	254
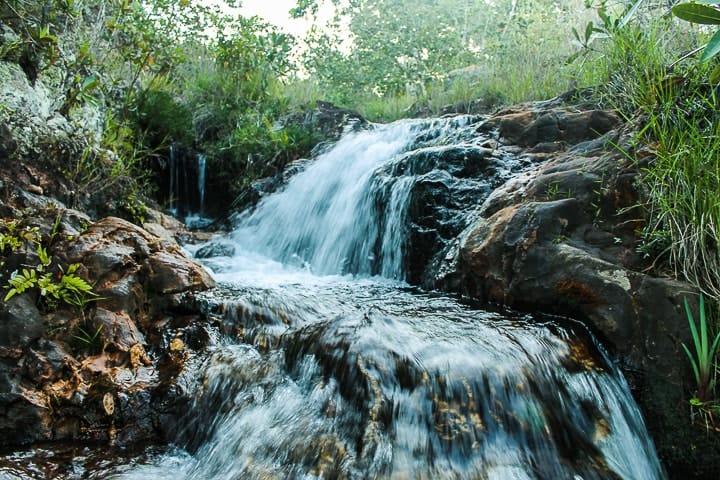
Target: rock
172	273
91	376
24	418
530	128
216	248
20	323
561	238
327	120
116	329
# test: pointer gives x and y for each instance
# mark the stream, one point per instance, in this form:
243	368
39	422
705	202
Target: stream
333	366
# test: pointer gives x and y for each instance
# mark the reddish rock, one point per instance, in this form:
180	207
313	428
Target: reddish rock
94	380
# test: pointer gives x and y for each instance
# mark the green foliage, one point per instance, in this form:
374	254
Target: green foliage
704	356
12	236
20	282
608	27
681	184
163	118
92	342
401	53
705	13
55	286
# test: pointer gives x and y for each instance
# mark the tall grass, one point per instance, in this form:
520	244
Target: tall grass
683	183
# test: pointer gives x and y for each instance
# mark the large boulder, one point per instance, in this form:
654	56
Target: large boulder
106	370
562	238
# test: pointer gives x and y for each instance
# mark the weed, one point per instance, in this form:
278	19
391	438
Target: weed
704	356
92	342
56	286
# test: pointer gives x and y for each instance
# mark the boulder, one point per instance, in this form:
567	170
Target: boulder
92	373
562	238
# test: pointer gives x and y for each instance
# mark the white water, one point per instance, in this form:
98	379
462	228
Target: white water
490	396
342	214
201	161
340	375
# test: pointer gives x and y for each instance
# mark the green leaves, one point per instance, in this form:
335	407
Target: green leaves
697	13
20	282
712	48
703	360
705	14
54	284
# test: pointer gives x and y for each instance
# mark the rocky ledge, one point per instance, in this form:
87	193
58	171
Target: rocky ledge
563	238
110	369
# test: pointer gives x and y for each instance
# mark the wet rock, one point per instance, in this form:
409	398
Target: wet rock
117	329
216	248
170	273
530	128
25	418
20	322
562	237
99	369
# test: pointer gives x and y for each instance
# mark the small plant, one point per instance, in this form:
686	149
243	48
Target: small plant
703	360
64	287
55	285
13	237
20	282
92	342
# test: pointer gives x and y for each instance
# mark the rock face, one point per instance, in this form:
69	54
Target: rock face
562	238
107	371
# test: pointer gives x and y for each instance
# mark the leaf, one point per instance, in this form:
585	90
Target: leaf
693	329
712	48
89	83
576	35
629	14
697	13
575	56
694	365
589	29
75	283
715	75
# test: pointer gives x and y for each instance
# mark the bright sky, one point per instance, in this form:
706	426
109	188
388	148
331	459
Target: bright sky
275	11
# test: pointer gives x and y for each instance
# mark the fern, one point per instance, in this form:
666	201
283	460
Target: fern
44	257
76	284
19	282
66	287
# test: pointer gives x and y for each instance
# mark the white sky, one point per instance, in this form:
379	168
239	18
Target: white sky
276	12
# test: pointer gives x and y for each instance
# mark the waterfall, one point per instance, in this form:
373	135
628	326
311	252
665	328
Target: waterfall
187	185
356	377
201	180
172	190
323	374
344	213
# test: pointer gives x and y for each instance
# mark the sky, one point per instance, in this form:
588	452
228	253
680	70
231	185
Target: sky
276	12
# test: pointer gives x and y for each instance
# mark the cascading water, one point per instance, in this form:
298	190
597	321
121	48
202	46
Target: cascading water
187	186
331	367
201	160
344	213
172	190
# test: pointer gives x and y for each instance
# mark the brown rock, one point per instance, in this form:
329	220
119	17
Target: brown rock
170	272
118	330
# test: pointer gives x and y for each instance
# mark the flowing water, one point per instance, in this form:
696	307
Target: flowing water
331	366
201	161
